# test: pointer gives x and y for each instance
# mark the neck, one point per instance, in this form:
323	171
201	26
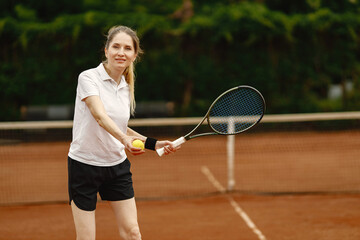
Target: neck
113	73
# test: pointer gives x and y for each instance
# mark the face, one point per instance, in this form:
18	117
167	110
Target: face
121	52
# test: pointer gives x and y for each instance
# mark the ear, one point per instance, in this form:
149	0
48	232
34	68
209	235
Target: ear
106	52
135	57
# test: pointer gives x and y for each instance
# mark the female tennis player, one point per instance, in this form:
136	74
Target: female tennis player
97	161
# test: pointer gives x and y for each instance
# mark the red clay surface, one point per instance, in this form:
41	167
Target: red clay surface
309	217
298	162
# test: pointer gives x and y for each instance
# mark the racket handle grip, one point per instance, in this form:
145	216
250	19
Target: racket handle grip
176	143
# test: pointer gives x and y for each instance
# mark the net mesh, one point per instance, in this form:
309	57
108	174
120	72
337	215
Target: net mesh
300	155
236	111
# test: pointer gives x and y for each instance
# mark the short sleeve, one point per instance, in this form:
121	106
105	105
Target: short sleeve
87	86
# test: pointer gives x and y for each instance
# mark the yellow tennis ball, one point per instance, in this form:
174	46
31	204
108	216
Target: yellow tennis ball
138	144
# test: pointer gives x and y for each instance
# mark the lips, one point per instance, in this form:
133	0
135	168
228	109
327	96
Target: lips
120	60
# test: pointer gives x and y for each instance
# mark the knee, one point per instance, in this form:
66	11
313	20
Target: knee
134	234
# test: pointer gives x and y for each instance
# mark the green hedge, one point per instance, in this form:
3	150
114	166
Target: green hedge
291	56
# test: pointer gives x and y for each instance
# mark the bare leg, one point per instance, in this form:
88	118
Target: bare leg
84	223
126	217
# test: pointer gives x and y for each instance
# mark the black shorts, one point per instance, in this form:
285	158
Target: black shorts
85	181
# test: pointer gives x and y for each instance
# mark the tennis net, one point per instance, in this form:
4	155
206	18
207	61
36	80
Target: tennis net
292	153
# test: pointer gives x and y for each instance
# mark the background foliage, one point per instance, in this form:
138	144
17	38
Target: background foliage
292	51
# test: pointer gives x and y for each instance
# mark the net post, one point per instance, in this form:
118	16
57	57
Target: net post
230	155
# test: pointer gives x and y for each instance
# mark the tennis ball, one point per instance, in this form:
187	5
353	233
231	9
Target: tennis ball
138	144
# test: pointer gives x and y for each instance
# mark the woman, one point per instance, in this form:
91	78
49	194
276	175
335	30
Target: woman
97	160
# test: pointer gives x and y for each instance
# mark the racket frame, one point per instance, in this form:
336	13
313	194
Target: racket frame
188	136
215	132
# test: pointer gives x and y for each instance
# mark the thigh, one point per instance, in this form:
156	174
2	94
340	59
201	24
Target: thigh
126	215
84	181
84	222
119	184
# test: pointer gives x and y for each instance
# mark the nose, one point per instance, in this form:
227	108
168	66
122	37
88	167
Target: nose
121	51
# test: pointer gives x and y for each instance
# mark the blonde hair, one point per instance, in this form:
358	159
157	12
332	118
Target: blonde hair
129	72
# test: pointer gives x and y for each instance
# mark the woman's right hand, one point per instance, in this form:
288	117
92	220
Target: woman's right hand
127	142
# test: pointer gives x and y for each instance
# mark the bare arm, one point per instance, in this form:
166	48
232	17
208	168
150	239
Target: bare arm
131	132
97	109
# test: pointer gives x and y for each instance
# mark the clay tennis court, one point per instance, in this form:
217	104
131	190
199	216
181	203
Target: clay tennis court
300	185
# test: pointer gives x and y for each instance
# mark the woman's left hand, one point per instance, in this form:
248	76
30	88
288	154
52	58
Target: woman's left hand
168	146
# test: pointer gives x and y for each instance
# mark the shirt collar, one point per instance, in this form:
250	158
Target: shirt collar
105	76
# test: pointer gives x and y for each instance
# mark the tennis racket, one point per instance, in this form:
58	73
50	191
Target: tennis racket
234	111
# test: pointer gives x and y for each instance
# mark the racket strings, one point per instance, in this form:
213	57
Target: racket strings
236	111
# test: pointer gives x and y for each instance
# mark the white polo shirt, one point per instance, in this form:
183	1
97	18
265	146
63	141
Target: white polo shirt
91	144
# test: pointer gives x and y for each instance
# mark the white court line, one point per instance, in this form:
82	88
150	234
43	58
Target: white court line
206	171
